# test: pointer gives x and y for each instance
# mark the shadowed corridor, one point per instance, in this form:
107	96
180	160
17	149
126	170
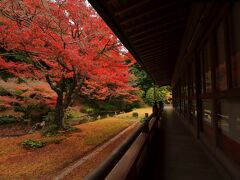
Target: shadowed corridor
177	155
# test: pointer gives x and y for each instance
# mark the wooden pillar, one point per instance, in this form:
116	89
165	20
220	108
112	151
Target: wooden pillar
198	94
214	89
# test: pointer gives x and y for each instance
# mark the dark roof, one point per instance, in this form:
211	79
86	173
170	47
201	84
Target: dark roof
152	30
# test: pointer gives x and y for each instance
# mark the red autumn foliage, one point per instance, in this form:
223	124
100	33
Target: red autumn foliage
6	101
64	43
37	94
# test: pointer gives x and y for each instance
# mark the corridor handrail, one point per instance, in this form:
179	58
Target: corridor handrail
132	163
105	168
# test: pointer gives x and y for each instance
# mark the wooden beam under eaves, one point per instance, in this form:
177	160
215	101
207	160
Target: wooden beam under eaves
152	48
156	61
111	1
157	43
158	29
158	68
155	20
156	50
131	7
146	13
164	52
155	37
164	25
157	34
158	53
146	58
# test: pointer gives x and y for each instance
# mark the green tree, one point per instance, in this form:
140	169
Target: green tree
163	93
141	80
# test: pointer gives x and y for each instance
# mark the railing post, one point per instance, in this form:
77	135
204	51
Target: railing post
160	108
155	109
146	124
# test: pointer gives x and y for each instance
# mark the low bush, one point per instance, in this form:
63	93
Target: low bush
7	120
50	126
69	115
19	92
50	130
109	107
135	114
73	114
70	129
89	110
49	118
30	143
142	120
26	110
3	108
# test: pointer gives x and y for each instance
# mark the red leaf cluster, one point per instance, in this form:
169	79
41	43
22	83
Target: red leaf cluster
63	40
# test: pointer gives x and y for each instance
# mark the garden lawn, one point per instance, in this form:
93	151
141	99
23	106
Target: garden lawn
141	113
17	162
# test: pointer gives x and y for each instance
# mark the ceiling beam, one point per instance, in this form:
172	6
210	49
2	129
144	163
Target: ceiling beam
111	1
158	56
160	49
157	53
158	46
163	59
156	28
155	20
146	13
157	62
160	25
154	50
154	38
145	37
157	42
156	69
131	7
164	52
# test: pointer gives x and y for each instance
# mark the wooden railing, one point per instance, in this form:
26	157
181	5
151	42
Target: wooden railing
126	162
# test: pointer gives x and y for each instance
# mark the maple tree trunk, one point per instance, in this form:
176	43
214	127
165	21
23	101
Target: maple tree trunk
59	111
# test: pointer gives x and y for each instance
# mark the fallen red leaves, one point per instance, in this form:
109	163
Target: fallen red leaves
19	163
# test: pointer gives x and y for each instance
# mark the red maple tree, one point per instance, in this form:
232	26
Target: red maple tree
65	43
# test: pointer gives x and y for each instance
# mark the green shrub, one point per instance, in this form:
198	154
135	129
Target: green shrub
49	117
3	108
50	130
69	115
90	110
26	109
70	129
162	94
50	133
73	114
109	107
30	143
143	119
7	120
135	114
19	92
